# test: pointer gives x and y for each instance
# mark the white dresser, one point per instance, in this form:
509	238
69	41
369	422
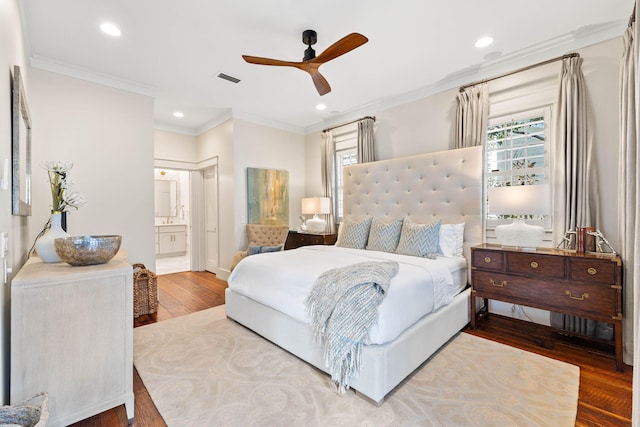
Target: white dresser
72	336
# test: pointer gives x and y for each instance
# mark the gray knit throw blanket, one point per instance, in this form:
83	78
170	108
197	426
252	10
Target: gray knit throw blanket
343	306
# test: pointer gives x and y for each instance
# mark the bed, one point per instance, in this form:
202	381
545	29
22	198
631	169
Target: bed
445	186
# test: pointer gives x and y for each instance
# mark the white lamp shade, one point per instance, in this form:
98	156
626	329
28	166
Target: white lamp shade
520	200
316	205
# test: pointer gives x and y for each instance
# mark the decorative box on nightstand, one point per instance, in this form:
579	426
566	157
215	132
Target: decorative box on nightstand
296	239
584	285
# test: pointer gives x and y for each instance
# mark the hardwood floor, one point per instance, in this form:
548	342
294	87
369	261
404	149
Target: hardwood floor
604	397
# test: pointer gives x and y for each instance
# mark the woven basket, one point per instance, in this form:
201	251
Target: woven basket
145	291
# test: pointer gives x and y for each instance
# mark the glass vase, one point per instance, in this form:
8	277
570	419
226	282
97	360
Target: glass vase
45	246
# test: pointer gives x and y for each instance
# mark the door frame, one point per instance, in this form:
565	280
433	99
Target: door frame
198	243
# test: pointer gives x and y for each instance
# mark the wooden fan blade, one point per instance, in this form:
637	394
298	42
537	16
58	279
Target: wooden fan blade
269	61
342	46
322	85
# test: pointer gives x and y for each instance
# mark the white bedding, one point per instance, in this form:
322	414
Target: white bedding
282	281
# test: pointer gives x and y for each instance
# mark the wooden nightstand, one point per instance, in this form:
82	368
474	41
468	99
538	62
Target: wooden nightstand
584	285
295	239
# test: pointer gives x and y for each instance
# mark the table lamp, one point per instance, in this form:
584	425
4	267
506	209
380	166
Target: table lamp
520	200
314	206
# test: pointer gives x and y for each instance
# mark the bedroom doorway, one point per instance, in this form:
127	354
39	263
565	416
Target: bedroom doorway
172	220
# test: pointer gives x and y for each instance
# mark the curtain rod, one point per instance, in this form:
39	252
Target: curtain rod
348	123
519	70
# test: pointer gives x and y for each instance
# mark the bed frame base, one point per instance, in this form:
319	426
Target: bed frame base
384	366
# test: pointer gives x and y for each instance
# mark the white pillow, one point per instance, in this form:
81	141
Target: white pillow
451	240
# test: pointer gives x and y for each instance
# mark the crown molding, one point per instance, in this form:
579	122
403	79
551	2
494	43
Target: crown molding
52	65
267	122
175	129
215	122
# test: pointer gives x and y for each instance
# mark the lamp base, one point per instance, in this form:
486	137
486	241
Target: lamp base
316	225
520	234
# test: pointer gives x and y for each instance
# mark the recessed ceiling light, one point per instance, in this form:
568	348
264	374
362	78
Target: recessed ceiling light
484	41
321	107
178	114
110	29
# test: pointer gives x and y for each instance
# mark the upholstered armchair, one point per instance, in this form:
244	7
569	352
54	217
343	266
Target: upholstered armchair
262	238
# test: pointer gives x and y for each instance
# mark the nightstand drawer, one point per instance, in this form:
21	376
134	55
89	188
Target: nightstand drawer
577	299
486	283
590	270
306	239
489	260
536	265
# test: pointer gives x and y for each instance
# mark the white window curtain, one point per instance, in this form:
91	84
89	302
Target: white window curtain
628	202
366	141
575	194
628	185
327	159
575	189
472	116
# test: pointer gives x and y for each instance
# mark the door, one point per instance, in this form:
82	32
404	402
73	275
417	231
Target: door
211	218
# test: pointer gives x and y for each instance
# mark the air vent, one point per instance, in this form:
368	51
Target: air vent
228	77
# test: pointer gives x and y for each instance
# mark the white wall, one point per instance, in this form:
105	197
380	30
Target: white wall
312	166
12	52
258	146
175	147
108	135
421	126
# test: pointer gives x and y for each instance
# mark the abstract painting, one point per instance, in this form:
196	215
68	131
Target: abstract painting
268	196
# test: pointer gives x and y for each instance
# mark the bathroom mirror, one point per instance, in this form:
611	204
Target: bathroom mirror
166	198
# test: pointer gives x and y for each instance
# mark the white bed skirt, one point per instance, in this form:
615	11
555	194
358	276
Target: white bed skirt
384	366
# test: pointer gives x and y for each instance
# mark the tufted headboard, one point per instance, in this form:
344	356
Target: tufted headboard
445	185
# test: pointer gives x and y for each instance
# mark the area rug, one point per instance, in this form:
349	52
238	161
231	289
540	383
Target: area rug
205	370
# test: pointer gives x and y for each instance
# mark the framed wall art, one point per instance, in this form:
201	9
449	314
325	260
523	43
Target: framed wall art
267	196
21	148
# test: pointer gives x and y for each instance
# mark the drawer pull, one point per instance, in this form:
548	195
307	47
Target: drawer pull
534	264
592	271
487	259
499	285
581	298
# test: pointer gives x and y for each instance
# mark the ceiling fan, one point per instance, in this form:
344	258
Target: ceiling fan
310	63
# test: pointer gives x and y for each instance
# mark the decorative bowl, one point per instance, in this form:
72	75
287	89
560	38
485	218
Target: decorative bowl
87	250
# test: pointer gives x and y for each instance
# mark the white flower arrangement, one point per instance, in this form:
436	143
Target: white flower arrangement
61	186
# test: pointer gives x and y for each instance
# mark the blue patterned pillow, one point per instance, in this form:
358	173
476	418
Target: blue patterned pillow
384	237
253	250
353	234
419	239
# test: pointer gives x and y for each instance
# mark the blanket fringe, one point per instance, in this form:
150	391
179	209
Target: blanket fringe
343	306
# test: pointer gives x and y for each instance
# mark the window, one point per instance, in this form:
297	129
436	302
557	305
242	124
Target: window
517	154
346	149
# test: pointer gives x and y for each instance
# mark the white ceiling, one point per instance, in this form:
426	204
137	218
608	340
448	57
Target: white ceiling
173	50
